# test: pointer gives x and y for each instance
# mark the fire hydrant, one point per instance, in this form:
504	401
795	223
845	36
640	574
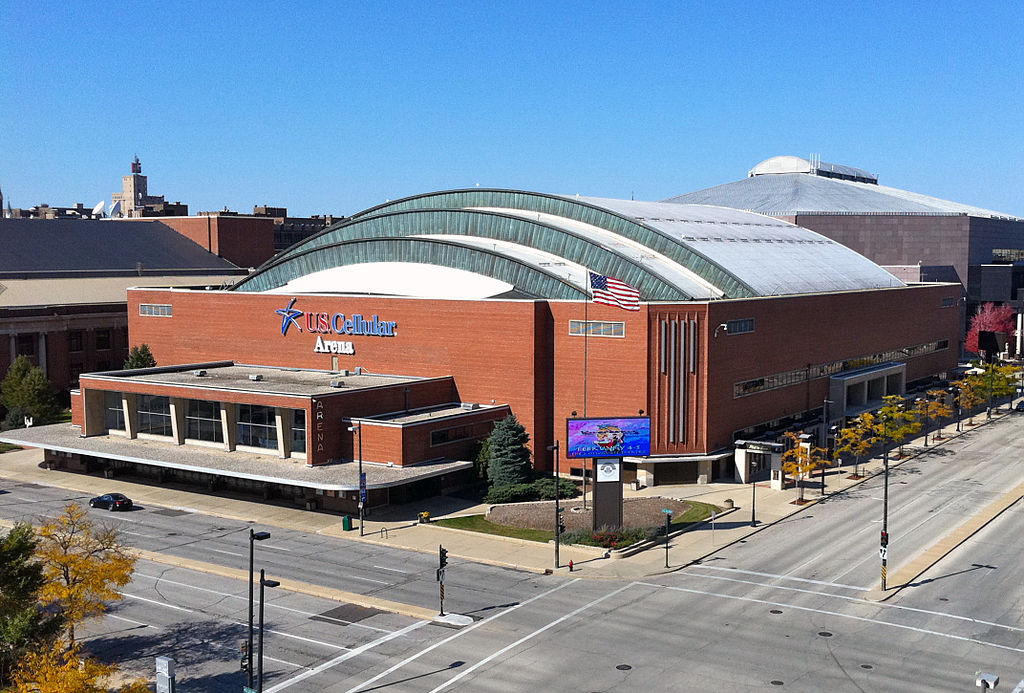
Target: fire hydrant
570	566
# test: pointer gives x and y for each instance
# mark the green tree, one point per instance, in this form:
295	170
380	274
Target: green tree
24	624
801	459
896	423
509	461
139	357
83	565
25	391
857	439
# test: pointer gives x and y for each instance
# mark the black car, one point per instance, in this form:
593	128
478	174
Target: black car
112	501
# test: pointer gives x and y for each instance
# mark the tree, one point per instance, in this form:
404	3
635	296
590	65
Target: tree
991	318
25	391
24	623
801	459
857	439
971	394
509	457
933	407
83	565
895	422
139	357
62	668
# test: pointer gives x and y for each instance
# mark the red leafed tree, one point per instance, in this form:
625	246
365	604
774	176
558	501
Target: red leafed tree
990	317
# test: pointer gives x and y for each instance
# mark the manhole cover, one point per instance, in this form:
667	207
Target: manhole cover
824	634
775	611
777	683
170	512
623	667
866	666
943	599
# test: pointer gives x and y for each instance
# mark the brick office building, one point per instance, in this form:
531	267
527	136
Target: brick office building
745	326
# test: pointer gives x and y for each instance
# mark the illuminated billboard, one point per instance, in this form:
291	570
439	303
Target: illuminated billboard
626	437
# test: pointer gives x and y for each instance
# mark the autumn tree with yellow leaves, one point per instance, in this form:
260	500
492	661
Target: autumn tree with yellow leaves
84	565
63	668
801	459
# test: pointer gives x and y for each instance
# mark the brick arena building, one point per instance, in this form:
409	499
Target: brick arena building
455	308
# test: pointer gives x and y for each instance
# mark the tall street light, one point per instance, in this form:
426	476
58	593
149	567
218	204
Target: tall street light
253	538
884	541
955	391
358	430
824	438
558	509
264	582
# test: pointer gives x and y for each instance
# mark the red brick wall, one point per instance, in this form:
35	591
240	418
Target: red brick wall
245	241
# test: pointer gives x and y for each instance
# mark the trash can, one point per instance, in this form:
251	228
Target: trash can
346	523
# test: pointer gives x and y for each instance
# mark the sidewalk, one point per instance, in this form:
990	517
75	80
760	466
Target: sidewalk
397	526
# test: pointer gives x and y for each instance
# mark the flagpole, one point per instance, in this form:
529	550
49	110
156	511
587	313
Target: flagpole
586	341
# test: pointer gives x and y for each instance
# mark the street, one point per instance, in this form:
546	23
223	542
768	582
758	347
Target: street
793	605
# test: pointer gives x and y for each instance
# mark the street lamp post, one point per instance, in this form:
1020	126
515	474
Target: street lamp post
753	495
264	582
358	430
824	438
884	544
558	509
955	391
253	538
668	528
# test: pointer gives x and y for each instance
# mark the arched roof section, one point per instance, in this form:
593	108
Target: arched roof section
531	280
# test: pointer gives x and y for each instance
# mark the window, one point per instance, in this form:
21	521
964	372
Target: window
947	302
740	326
298	430
467	432
202	421
156	310
114	413
26	345
155	415
75	370
594	328
76	341
102	339
257	426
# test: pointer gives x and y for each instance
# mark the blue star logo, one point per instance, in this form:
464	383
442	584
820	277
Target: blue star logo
288	316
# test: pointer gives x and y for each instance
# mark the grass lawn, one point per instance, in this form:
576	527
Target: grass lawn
696	513
477	523
7	447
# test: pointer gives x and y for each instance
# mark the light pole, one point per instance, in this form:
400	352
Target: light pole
558	509
253	538
884	542
668	528
753	495
358	430
955	391
824	438
264	582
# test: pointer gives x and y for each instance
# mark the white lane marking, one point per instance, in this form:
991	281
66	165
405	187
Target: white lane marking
238	623
462	632
1019	688
140	534
341	658
859	600
275	548
783	577
230	553
269	605
526	637
393	570
826	612
26	500
158	603
138	623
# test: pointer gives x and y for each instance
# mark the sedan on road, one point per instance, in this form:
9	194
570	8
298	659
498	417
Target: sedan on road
112	501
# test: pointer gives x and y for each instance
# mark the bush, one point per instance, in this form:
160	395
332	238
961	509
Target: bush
512	493
15	419
545	488
609	539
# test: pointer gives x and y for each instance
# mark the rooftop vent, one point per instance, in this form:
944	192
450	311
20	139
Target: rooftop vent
256	377
470	406
199	373
359	370
343	372
337	383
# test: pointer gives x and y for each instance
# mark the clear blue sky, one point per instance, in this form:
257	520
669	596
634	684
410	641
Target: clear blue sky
336	106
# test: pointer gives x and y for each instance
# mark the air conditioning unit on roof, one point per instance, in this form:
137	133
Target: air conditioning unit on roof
255	377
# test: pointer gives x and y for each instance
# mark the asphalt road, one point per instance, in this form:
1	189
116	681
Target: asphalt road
787	608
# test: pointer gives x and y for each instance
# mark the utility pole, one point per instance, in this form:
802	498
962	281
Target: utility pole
883	550
558	509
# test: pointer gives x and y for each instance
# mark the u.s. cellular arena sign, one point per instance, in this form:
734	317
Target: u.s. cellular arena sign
331	324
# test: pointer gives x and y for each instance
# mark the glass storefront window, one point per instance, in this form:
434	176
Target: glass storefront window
113	417
257	426
202	421
155	415
298	430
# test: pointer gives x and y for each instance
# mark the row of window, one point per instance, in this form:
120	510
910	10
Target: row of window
594	328
255	424
451	435
740	326
777	380
156	310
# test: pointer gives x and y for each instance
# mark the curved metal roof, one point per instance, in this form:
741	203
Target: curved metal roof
544	244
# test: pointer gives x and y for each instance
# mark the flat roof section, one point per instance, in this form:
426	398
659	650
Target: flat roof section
265	380
240	465
429	414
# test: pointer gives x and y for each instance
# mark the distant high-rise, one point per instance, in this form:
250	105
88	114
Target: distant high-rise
137	202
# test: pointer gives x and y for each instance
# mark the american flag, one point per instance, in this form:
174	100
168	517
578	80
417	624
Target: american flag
613	292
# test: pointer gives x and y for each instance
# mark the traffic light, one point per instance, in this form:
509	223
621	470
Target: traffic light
561	520
442	556
885	538
245	656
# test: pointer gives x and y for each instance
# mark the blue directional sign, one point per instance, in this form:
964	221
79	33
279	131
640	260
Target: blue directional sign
362	487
